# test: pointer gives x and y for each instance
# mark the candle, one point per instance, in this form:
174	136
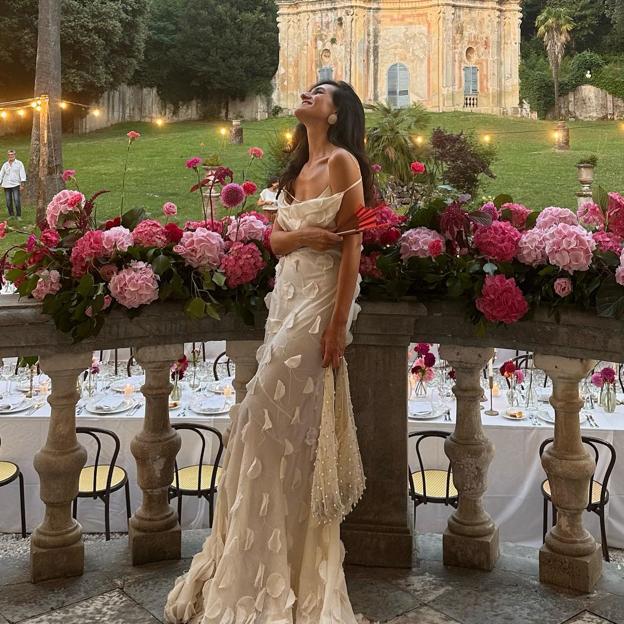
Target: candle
495	390
491	368
228	391
128	391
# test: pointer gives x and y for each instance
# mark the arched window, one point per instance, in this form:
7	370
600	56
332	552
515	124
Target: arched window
326	73
398	86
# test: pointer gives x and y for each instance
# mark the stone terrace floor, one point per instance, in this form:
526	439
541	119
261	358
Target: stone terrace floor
113	592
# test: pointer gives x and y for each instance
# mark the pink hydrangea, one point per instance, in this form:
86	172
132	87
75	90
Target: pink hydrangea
563	286
553	216
615	214
491	209
213	226
232	195
134	286
169	209
49	238
63	204
569	247
86	249
519	214
368	265
590	215
246	228
532	248
255	152
49	283
242	264
501	300
608	241
202	249
416	243
117	238
258	215
498	242
150	233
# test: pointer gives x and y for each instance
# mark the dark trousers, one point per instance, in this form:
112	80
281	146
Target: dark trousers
13	201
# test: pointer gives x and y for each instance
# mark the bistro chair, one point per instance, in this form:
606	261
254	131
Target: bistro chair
431	485
221	360
8	473
101	480
598	495
197	479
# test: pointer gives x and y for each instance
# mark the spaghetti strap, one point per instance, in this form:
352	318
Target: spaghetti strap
352	186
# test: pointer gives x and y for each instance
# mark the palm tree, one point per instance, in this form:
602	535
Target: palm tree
554	25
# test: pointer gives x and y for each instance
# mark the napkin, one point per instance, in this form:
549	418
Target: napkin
419	407
10	402
107	403
210	404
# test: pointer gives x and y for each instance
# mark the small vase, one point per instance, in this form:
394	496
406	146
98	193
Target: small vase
420	390
513	398
608	399
176	391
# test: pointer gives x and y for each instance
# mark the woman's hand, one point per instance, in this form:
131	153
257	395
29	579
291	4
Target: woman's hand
333	344
320	239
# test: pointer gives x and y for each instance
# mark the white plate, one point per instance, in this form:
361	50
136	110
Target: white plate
135	381
509	417
211	405
219	386
124	406
550	418
18	404
423	416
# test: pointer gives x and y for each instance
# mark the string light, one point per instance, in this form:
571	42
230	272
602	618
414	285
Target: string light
557	135
222	131
96	112
419	140
33	104
20	113
63	105
288	136
486	138
159	122
4	114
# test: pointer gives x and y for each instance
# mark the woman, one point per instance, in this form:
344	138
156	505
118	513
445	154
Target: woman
275	555
268	198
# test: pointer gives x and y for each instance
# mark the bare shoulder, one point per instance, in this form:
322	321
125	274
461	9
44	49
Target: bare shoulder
343	169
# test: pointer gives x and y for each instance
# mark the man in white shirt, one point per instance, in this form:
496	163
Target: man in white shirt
12	178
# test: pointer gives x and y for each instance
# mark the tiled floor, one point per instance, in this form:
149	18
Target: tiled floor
112	591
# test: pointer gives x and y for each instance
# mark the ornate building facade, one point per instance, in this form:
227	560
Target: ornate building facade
445	54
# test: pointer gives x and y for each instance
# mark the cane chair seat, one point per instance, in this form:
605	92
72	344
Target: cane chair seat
85	485
595	496
188	477
8	470
435	480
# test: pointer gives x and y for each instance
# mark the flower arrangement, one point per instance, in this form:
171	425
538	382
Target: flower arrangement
605	379
421	369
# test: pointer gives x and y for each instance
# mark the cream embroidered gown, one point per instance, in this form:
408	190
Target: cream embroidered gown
268	560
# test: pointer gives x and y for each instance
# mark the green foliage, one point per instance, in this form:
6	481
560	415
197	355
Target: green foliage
590	159
277	154
536	84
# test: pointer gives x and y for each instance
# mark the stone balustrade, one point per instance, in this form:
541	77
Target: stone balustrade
378	531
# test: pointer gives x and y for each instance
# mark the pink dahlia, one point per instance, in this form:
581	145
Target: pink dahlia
49	283
418	168
532	248
519	214
368	265
590	215
608	241
498	242
85	251
150	233
63	204
553	216
133	135
563	286
608	374
501	300
68	174
193	163
242	264
202	249
246	228
169	209
597	380
49	238
615	213
570	247
134	286
117	238
249	187
416	243
232	195
255	152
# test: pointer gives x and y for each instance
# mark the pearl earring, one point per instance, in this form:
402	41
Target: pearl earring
332	119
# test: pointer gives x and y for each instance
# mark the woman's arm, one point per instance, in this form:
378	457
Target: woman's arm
283	242
343	173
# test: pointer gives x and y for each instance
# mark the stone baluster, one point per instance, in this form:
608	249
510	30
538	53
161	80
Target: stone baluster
243	354
471	538
56	547
154	533
570	557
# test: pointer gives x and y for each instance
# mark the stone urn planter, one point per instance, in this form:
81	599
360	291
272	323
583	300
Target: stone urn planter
585	173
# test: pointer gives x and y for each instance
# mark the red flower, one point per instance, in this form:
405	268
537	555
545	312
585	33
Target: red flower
498	242
133	135
422	348
256	152
193	163
179	368
452	374
174	232
501	300
418	168
266	240
249	187
435	248
430	360
68	174
368	265
453	223
3	229
508	369
111	223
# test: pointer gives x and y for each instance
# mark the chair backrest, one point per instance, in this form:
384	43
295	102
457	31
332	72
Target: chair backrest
594	444
200	430
222	358
420	437
95	433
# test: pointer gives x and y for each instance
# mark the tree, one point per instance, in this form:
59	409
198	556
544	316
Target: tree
554	26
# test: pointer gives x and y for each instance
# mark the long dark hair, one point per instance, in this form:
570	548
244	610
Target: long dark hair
348	132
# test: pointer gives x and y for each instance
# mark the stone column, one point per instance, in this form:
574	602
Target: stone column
56	547
154	533
570	557
471	538
243	354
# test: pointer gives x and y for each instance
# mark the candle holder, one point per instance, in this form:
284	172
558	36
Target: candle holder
491	411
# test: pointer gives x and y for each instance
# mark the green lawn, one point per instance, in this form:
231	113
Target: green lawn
526	166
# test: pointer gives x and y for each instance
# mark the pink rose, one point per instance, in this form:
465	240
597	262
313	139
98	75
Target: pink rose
117	238
519	375
68	174
436	247
202	249
133	135
246	228
242	264
498	242
255	152
193	163
569	247
597	380
249	188
519	214
107	271
416	243
608	241
232	195
170	209
418	168
532	248
553	216
85	251
49	238
150	233
49	283
563	286
376	168
590	215
615	214
501	300
134	286
63	204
